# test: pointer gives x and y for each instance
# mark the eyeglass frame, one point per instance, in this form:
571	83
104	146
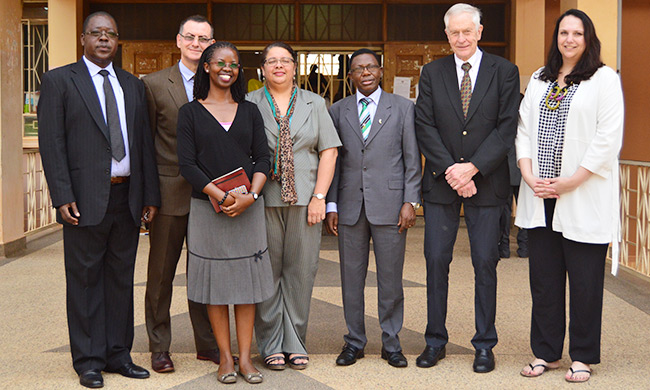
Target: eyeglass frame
370	68
230	65
201	38
109	34
283	60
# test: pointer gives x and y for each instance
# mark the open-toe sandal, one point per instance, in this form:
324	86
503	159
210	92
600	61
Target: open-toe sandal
298	366
571	379
275	362
532	373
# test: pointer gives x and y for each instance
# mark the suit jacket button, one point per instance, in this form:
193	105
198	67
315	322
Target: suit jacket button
462	159
434	173
464	132
365	169
363	150
361	189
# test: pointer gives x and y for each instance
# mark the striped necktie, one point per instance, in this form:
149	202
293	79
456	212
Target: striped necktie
466	88
113	119
364	118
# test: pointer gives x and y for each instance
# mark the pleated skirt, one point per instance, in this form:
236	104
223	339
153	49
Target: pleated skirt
228	258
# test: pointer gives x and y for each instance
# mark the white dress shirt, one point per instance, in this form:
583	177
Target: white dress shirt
475	61
118	168
372	109
188	80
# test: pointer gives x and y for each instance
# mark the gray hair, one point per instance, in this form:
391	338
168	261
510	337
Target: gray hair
460	8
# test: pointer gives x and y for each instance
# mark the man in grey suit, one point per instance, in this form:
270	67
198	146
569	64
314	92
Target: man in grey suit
374	194
466	120
98	159
167	90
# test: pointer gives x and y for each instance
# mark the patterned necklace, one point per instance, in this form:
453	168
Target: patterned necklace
555	96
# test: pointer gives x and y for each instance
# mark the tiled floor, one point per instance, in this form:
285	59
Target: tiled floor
34	351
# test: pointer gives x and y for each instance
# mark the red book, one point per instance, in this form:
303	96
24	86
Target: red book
235	181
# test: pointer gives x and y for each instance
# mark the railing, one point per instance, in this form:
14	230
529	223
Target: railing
39	213
635	216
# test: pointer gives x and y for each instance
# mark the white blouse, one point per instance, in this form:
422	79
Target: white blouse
593	138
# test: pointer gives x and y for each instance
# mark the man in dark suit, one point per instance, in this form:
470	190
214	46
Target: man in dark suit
167	90
374	193
466	120
98	159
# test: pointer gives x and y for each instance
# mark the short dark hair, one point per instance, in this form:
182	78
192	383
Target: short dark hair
197	19
283	45
98	13
365	51
202	78
588	64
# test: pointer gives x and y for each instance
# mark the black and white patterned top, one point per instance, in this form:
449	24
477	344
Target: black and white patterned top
551	133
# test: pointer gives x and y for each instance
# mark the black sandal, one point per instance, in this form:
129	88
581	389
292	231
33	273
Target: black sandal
271	362
298	366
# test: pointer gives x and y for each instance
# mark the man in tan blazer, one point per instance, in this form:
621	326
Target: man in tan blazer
167	90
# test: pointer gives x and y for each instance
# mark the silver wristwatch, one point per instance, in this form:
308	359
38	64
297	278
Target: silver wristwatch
318	196
255	196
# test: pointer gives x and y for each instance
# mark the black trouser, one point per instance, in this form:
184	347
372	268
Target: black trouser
99	263
552	257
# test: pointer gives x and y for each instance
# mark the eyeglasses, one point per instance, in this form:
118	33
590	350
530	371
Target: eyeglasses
191	38
274	61
370	68
98	34
223	64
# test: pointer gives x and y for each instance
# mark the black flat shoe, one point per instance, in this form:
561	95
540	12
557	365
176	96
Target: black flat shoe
430	356
395	359
130	370
349	355
91	378
483	361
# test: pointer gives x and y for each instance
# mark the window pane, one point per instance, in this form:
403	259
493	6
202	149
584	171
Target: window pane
341	22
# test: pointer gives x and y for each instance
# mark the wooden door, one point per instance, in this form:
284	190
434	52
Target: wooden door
407	60
141	58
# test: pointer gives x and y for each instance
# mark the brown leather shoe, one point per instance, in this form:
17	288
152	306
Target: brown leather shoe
210	354
161	362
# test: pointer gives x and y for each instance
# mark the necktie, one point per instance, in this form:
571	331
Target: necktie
364	118
466	88
113	119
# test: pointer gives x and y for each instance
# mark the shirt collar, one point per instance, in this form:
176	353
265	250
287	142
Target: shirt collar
474	60
93	68
374	96
185	71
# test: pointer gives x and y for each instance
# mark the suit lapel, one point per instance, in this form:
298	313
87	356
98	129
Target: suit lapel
129	102
259	98
176	87
450	79
352	116
485	73
83	82
381	116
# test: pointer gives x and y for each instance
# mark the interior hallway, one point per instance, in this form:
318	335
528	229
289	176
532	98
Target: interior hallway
34	351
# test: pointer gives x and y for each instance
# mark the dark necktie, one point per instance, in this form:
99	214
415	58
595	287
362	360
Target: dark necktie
466	88
113	119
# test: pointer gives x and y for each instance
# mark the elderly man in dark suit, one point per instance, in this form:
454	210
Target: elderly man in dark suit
375	192
167	90
466	120
98	159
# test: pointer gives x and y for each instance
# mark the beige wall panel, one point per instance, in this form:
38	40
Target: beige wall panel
65	18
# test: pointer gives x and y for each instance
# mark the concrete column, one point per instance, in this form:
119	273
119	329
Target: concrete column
529	37
65	18
12	236
604	14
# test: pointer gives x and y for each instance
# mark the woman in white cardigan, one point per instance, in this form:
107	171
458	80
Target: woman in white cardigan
570	132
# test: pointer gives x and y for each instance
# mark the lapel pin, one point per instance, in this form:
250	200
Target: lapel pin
380	121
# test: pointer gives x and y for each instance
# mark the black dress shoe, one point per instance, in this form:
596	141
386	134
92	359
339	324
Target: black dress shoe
349	355
161	362
130	370
395	359
430	356
91	378
483	361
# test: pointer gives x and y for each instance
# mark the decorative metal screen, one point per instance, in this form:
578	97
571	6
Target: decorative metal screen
253	22
635	216
341	22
